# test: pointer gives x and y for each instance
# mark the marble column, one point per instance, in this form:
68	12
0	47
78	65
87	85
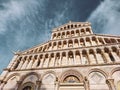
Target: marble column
86	84
52	37
20	64
2	85
38	84
84	41
88	58
18	85
30	64
25	63
103	41
41	62
104	56
35	63
98	42
14	59
111	84
14	64
56	84
91	42
74	59
60	60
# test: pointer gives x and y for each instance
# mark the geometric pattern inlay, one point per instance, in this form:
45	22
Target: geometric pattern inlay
96	77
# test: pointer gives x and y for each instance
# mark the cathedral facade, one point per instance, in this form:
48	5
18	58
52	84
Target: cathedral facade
74	59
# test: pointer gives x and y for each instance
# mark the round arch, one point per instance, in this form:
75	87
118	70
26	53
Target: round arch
114	70
47	72
12	75
70	72
98	70
28	74
27	85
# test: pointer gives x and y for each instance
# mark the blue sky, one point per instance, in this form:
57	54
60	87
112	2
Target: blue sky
25	23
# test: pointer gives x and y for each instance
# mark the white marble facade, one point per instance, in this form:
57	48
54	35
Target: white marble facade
74	59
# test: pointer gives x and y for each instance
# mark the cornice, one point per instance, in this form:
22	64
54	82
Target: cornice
68	49
69	23
70	66
83	36
107	35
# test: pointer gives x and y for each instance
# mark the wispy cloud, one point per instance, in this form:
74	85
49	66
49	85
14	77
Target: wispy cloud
106	17
26	23
14	10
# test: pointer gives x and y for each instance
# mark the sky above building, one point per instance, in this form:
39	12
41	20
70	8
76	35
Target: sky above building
25	23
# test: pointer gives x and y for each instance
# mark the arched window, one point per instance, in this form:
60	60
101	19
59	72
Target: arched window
118	40
87	30
92	56
57	59
75	26
115	53
100	57
40	49
63	34
76	44
54	46
46	60
27	88
68	34
97	79
64	59
94	41
49	46
72	33
88	43
65	28
59	45
101	41
54	35
36	50
77	57
113	40
77	33
70	43
109	56
68	27
82	31
107	40
64	44
85	57
58	36
16	64
82	43
71	79
72	26
52	60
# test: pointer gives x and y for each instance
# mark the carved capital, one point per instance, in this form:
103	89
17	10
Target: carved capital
86	83
56	79
4	82
38	82
19	82
1	81
110	83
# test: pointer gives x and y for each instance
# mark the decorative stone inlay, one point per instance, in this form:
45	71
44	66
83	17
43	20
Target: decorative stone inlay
49	79
31	77
96	77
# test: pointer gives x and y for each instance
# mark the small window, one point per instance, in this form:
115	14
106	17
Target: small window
111	57
27	88
71	79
